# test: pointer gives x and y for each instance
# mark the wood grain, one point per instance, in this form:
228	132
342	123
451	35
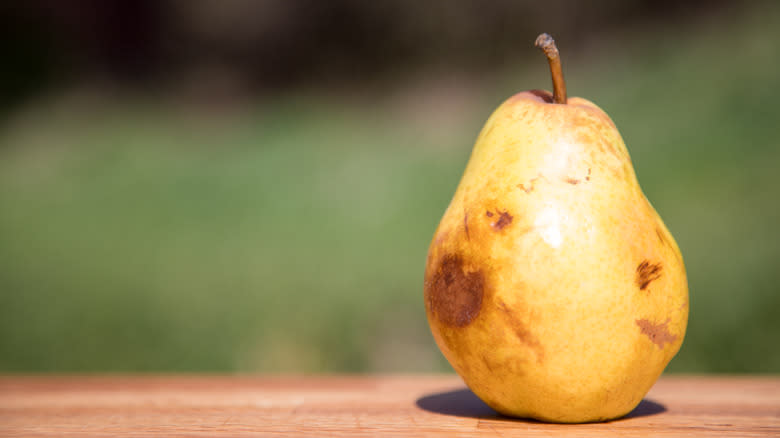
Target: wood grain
88	406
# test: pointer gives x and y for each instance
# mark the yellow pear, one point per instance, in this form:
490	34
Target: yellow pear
552	286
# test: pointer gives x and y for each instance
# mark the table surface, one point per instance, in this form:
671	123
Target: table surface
417	405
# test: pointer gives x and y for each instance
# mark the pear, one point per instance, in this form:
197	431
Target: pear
552	286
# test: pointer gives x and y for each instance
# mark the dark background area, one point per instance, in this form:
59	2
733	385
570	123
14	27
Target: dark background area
244	186
274	46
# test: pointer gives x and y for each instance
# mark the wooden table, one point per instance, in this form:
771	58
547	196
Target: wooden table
87	406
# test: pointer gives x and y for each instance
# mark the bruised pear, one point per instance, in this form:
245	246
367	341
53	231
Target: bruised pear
552	286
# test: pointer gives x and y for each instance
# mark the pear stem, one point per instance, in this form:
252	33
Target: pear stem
547	44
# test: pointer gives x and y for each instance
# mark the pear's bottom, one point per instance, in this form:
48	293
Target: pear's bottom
550	407
571	418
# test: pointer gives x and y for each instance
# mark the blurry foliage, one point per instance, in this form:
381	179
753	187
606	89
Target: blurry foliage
288	233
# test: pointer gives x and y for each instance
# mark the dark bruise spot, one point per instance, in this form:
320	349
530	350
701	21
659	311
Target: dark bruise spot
658	333
489	213
647	272
587	177
504	219
572	181
452	294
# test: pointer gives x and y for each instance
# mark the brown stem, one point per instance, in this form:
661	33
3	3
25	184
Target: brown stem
547	44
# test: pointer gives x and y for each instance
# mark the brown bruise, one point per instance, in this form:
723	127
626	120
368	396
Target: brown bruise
452	294
647	272
504	219
658	333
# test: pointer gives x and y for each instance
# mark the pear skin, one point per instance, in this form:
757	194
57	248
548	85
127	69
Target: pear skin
552	286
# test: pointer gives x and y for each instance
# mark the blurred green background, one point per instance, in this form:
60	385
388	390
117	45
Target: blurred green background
252	186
